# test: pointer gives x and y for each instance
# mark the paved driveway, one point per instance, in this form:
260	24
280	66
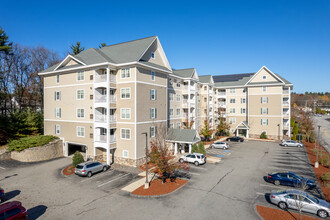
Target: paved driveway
227	190
324	122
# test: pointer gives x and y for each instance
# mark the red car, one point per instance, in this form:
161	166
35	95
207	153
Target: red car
12	210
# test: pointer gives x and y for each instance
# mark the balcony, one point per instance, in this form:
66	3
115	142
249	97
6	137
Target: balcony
100	78
100	98
113	99
100	118
103	138
286	103
285	91
113	118
112	78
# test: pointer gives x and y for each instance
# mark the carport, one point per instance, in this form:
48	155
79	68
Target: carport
182	139
243	129
73	147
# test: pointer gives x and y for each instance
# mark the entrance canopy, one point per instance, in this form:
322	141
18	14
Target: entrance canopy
187	136
243	127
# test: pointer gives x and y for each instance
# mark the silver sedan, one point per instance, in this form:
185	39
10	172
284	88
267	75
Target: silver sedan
291	144
221	145
300	200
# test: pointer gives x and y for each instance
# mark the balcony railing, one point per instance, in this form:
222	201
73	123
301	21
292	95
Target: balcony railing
100	78
286	124
286	103
103	138
285	91
100	98
113	99
100	118
113	118
112	78
221	93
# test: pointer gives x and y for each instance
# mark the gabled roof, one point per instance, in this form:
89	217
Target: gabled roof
184	73
205	79
243	125
182	135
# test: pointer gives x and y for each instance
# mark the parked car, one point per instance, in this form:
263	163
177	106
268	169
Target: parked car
2	195
219	144
290	179
195	158
12	210
291	143
294	199
90	168
235	138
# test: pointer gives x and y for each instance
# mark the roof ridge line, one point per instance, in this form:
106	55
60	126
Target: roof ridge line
128	41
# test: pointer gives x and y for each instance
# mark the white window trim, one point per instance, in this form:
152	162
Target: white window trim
154	131
125	73
178	95
154	94
233	100
59	98
125	114
264	77
121	132
125	151
79	80
264	89
176	112
153	117
57	126
178	123
153	75
58	77
77	113
77	94
130	95
232	91
262	122
58	110
171	109
77	129
171	97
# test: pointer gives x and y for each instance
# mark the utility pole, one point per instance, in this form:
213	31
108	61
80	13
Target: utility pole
318	146
146	184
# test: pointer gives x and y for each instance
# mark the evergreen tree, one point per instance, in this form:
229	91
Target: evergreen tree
5	45
102	45
206	130
201	148
76	49
194	148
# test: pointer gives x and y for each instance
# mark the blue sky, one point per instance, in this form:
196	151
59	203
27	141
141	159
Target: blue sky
290	37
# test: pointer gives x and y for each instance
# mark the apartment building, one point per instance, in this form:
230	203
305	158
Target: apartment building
105	101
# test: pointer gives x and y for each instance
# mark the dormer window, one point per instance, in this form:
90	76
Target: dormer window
152	55
264	77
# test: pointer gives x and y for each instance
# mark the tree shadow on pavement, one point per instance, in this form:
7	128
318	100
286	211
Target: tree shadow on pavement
12	194
6	177
36	212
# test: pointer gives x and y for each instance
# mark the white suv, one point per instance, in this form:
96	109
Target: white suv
195	158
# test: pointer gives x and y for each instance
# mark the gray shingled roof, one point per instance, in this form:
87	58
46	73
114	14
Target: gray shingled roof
205	79
184	73
286	81
232	79
182	135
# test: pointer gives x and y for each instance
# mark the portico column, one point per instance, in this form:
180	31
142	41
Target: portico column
247	133
108	155
189	148
175	148
237	132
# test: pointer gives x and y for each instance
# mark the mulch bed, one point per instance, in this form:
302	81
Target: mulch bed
310	148
150	165
157	188
276	214
68	170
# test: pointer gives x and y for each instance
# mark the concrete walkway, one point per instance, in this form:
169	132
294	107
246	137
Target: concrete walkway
133	186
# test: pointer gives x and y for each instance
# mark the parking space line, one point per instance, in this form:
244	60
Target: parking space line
113	180
273	186
96	176
260	194
194	173
198	168
2	168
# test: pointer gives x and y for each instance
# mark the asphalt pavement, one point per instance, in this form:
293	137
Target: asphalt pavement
324	122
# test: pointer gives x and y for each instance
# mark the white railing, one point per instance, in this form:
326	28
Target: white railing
100	98
221	93
113	118
101	138
285	91
113	138
112	78
286	113
100	78
285	103
100	118
185	101
113	99
286	124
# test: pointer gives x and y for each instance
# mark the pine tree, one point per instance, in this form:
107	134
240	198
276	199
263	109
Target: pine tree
76	49
5	45
102	45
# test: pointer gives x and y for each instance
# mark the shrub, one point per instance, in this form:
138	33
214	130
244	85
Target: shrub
263	135
194	148
28	142
201	148
325	160
77	159
325	177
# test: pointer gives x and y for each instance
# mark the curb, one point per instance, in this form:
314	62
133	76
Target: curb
157	196
256	139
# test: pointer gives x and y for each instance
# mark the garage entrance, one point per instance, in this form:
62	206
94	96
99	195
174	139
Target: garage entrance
72	148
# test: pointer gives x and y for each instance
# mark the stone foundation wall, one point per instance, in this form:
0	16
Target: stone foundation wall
129	162
5	155
46	152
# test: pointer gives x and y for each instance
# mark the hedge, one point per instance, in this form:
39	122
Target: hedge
28	142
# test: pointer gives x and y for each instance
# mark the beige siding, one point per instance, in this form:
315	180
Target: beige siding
68	79
259	77
158	59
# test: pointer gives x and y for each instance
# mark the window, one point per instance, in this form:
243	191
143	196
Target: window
57	129
232	120
178	124
152	131
171	96
153	94
264	77
232	100
153	113
264	99
80	113
152	55
171	125
58	112
125	93
243	110
125	133
178	85
80	131
57	95
57	78
125	73
81	76
232	110
264	111
264	121
171	112
178	111
232	90
243	100
125	113
178	98
125	153
264	88
80	94
205	87
153	75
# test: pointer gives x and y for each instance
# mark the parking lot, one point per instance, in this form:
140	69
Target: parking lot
225	190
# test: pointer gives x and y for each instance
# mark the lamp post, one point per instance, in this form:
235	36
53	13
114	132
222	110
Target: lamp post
146	184
317	149
278	132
